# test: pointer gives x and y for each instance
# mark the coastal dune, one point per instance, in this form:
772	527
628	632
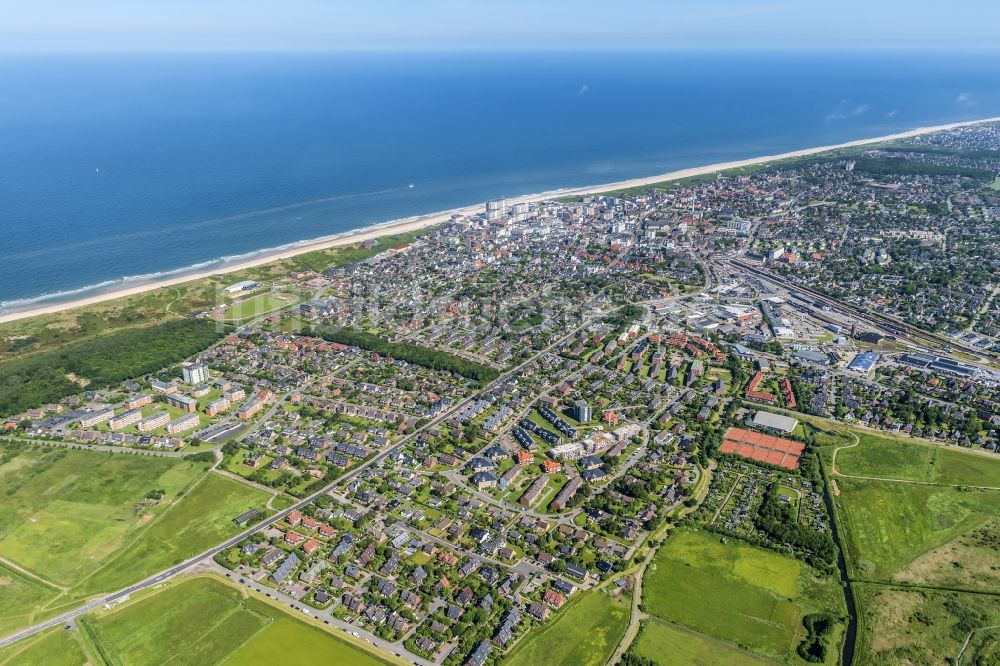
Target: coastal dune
421	221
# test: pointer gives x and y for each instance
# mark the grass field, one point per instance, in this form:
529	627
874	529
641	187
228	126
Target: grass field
665	643
889	458
203	519
256	306
53	648
968	562
206	621
80	523
309	645
748	596
20	595
926	627
584	633
64	512
887	526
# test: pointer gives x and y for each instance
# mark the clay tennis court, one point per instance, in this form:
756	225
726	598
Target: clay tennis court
762	448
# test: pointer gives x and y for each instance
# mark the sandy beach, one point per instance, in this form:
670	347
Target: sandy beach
418	222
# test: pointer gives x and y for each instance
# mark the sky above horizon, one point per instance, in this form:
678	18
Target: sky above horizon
29	26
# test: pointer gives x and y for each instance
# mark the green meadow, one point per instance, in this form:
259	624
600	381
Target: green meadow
585	632
926	627
890	458
663	642
727	590
55	647
204	620
77	523
886	526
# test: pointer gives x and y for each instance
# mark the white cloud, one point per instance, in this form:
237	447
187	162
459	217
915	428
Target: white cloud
965	99
892	114
845	110
584	89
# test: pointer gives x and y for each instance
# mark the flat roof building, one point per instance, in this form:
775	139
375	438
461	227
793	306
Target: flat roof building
245	285
768	421
194	373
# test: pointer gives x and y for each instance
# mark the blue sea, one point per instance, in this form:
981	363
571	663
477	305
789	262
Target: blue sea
127	167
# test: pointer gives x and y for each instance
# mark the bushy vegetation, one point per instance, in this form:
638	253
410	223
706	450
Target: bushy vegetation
776	519
625	315
819	628
973	153
411	353
99	362
632	659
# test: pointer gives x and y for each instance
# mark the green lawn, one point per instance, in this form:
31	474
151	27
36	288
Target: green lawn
891	458
748	596
888	525
584	633
665	643
207	621
56	647
79	520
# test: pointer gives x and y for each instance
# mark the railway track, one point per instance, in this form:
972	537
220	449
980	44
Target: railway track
873	317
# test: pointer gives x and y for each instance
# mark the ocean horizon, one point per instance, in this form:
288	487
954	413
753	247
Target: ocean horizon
123	169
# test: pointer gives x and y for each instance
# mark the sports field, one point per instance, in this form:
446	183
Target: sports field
585	632
204	620
74	523
257	306
748	596
887	526
661	641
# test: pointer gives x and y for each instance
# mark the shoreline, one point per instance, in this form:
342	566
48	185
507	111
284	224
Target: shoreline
402	225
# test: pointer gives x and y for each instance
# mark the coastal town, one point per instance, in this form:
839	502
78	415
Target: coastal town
461	434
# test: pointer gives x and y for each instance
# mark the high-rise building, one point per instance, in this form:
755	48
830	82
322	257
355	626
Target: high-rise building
195	373
582	411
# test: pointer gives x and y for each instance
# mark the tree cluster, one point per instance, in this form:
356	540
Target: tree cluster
101	362
411	353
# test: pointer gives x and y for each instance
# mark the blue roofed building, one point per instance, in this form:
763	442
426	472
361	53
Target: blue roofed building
863	362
